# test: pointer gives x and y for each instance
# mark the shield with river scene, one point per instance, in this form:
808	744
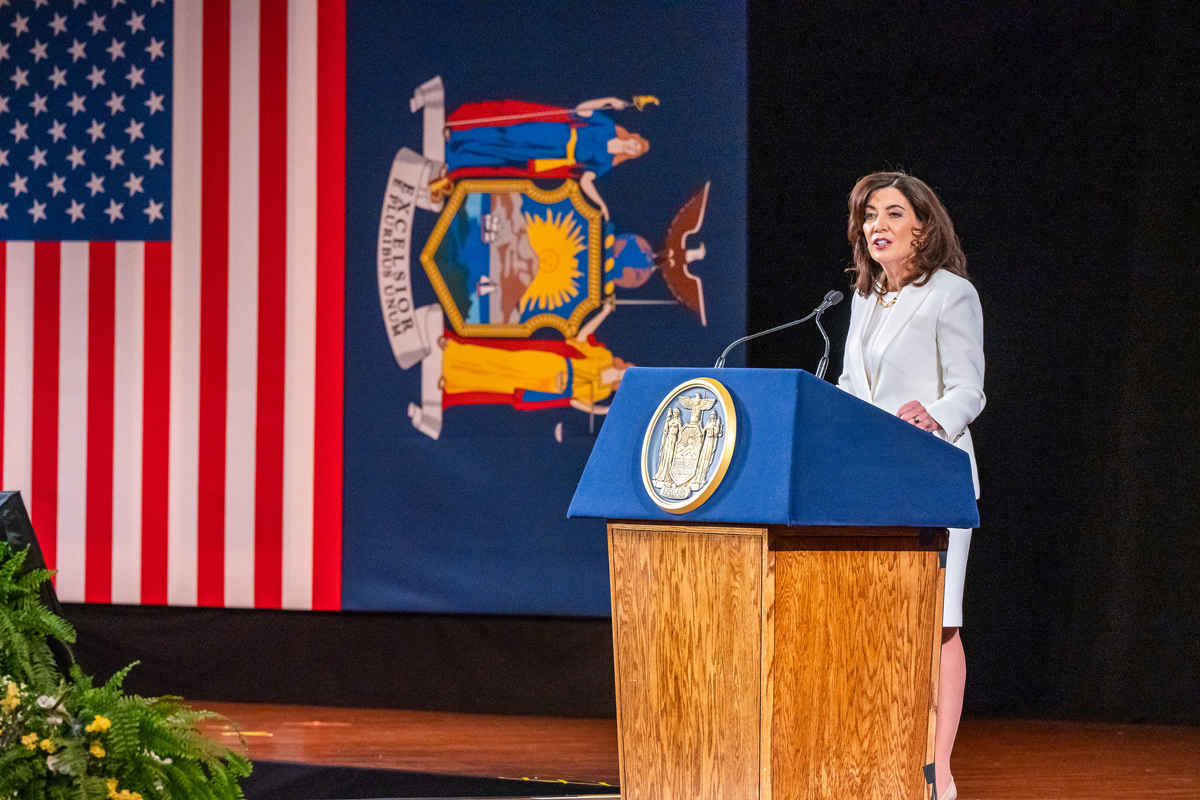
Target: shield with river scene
507	258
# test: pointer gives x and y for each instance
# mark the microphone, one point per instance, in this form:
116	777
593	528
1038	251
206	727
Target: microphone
832	298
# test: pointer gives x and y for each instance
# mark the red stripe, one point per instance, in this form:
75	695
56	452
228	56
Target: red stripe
43	489
214	306
330	321
156	416
272	305
3	345
102	298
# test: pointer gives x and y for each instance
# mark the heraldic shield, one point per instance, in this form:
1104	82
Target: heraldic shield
507	258
688	445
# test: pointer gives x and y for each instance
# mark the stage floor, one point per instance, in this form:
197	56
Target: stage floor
994	759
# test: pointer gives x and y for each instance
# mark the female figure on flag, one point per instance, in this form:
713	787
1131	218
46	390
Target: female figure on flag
510	138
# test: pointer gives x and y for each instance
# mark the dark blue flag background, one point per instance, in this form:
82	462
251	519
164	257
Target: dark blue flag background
474	520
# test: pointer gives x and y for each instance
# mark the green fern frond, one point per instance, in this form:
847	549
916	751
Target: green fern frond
150	745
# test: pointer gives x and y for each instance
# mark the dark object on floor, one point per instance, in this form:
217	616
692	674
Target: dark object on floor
275	780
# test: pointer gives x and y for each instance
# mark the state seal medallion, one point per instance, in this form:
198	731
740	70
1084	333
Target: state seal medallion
688	445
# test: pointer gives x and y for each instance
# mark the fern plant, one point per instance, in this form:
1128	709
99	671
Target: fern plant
64	738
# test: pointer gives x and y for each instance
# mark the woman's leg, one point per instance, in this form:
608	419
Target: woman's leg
952	680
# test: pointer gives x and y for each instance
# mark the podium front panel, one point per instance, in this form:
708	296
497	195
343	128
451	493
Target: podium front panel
687	612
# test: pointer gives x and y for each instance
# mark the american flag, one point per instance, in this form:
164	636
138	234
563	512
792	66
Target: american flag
172	210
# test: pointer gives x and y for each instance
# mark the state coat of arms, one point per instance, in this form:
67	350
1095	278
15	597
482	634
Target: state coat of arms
688	445
524	258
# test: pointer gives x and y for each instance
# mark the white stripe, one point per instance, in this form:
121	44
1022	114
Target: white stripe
18	370
185	302
243	304
128	358
301	304
72	421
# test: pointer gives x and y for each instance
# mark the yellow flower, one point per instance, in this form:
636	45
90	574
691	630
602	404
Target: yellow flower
99	725
97	750
48	746
112	786
12	699
29	740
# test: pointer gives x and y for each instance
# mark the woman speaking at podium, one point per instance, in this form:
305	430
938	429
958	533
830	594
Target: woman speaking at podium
915	349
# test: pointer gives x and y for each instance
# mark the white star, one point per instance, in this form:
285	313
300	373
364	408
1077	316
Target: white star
153	3
3	158
76	157
134	184
153	211
59	24
20	78
77	50
114	211
20	130
115	103
116	3
115	157
38	157
96	184
76	104
38	51
155	49
135	130
155	103
97	23
3	104
96	76
96	130
4	51
76	211
18	185
116	49
3	210
155	157
39	3
58	77
57	185
58	130
20	25
38	104
135	77
38	210
77	3
137	22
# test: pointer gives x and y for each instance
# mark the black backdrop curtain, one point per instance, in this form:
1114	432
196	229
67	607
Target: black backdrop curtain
1063	140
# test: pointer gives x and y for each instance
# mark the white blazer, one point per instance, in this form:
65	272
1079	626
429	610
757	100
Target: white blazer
932	345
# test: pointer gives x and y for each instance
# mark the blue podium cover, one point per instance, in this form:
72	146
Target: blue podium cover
807	453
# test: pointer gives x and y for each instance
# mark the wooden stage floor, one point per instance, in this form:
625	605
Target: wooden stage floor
994	759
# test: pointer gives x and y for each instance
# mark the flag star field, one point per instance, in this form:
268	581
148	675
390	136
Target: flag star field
85	120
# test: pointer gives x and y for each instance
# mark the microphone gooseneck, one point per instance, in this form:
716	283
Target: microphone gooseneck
831	299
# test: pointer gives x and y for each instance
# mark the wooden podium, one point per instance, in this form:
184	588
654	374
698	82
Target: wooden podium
763	646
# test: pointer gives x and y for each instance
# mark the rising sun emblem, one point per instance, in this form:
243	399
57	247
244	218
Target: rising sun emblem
556	239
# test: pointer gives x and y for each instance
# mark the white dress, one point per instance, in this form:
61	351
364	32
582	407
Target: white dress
868	323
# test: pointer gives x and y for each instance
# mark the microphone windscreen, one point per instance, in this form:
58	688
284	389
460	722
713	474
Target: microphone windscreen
833	298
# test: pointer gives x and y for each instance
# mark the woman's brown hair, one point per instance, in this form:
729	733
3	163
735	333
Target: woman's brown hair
936	247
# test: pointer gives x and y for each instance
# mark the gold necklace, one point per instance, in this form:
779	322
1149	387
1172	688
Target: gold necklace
892	302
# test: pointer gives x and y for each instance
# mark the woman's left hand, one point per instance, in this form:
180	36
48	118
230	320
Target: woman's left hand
914	412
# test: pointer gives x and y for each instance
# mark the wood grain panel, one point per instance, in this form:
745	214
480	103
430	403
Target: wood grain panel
851	672
686	626
765	783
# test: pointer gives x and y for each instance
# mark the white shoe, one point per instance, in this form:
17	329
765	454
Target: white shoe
951	792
